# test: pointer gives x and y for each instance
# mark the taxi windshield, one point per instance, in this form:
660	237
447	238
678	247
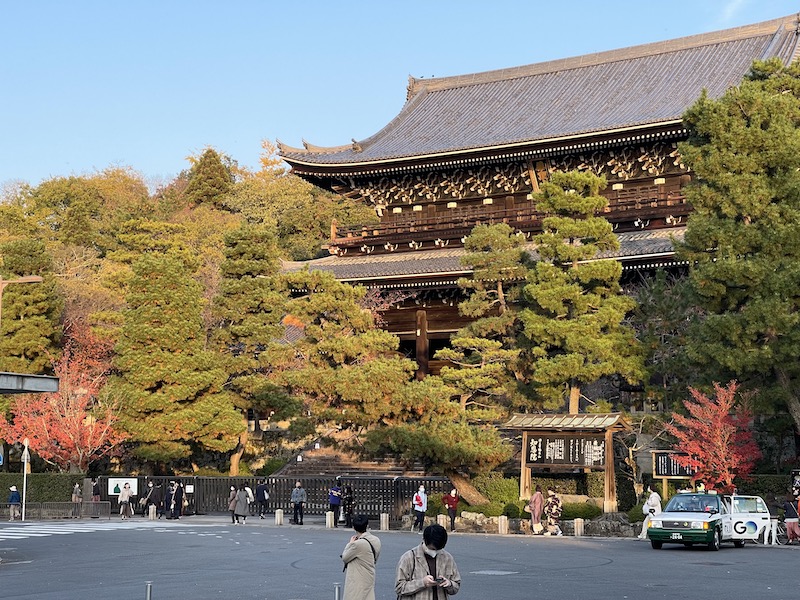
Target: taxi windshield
693	503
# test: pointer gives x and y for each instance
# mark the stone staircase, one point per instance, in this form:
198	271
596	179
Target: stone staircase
332	462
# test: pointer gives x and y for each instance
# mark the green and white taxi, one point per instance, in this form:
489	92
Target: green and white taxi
709	518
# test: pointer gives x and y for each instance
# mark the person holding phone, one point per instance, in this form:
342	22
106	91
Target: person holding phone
428	572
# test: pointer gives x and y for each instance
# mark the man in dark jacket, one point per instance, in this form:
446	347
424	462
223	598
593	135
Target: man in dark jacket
262	495
14	503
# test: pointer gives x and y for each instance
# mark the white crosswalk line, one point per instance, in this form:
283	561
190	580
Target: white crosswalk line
35	529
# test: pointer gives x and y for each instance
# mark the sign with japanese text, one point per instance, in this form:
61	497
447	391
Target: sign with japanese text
566	450
665	466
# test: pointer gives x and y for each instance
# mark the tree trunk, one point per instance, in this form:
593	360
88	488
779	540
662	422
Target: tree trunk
574	399
236	457
466	490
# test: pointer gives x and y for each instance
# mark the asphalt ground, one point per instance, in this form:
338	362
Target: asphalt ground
205	557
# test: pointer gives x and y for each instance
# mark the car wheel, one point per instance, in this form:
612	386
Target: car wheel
738	543
716	542
656	544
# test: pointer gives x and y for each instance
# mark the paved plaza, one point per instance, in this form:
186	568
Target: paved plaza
205	557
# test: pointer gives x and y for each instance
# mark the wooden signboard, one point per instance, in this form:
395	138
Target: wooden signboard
666	467
566	450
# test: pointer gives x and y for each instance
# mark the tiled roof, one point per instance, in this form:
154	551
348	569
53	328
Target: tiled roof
634	87
447	262
574	422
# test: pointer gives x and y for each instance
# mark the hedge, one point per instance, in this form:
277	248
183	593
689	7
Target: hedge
42	487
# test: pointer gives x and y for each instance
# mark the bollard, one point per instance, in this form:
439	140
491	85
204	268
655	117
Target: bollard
278	516
441	520
337	591
578	527
151	512
148	594
502	525
329	524
384	521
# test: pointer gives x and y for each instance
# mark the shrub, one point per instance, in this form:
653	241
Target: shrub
635	515
511	511
580	511
498	488
493	509
269	467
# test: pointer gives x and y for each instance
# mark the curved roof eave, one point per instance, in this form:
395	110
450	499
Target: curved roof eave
295	160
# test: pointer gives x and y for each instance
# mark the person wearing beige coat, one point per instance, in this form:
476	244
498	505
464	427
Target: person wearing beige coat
428	572
360	556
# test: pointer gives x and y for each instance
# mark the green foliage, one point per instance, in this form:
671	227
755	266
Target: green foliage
269	467
742	241
42	487
30	325
635	514
511	510
493	509
170	387
209	180
497	488
574	306
580	510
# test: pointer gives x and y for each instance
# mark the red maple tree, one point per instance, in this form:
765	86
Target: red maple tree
74	426
717	438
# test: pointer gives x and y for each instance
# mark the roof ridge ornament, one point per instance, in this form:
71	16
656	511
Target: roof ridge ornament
356	146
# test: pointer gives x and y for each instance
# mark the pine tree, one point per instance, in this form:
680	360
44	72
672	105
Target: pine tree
170	386
743	239
209	180
30	328
248	312
574	306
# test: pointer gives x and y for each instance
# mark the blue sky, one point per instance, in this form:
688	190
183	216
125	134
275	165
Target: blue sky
85	85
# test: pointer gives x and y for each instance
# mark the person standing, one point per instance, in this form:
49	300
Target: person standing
451	502
360	557
154	500
428	572
77	499
95	490
535	506
790	517
348	502
262	495
298	499
124	500
177	500
335	501
14	504
650	508
168	493
240	507
552	510
420	503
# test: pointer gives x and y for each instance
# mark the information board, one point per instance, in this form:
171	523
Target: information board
665	466
566	450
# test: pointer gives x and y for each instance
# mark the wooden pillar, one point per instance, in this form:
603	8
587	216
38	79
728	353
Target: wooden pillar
423	347
525	491
610	487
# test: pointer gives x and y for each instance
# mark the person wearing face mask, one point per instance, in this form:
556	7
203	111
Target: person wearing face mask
420	503
428	572
298	499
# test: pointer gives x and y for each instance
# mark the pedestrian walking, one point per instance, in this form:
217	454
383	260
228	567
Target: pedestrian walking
552	511
650	508
262	495
240	507
535	507
178	500
428	572
420	504
298	500
790	517
232	504
153	500
14	504
335	501
360	557
124	499
451	502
